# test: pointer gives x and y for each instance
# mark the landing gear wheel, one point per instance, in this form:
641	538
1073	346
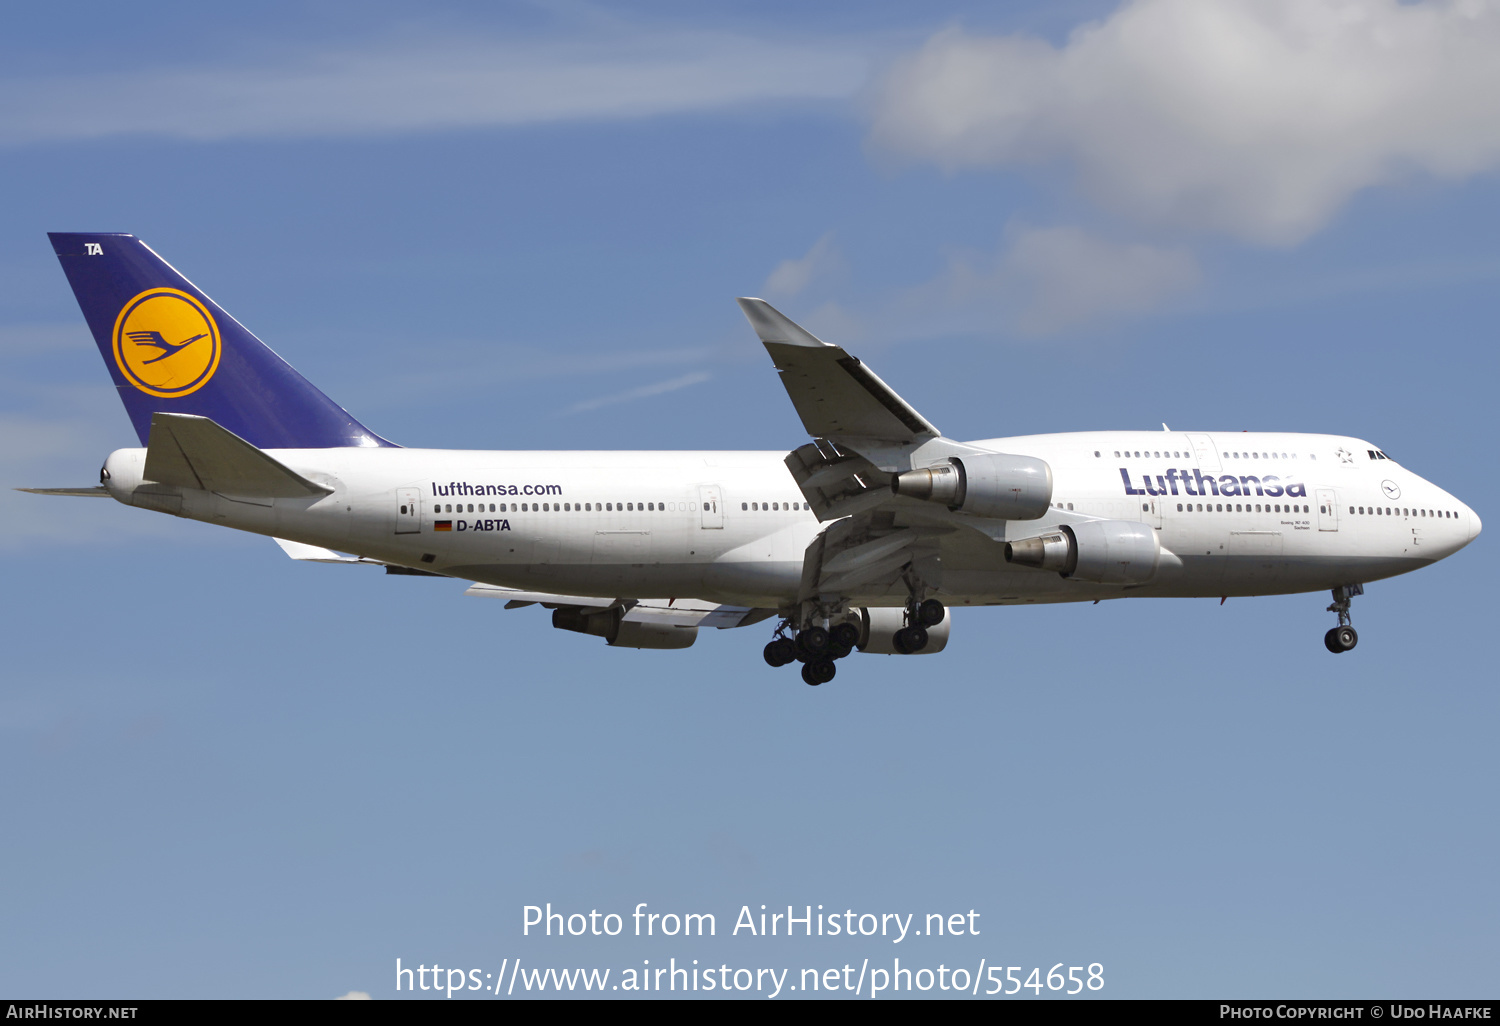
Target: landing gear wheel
818	671
910	640
845	635
780	652
930	613
814	643
1341	639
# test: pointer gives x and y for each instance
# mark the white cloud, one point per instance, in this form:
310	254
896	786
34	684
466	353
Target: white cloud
644	392
1044	281
1063	278
791	277
1255	118
354	995
435	83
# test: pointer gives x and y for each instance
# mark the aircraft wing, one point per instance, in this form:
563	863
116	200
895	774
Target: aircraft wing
863	436
834	393
674	612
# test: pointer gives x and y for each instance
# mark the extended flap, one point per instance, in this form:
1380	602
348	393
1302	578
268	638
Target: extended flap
194	452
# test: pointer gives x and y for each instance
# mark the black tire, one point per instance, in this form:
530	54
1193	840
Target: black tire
780	652
839	651
818	671
930	613
814	642
845	635
898	642
1348	637
1331	641
916	639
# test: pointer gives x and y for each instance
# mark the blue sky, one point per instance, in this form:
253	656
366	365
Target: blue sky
522	226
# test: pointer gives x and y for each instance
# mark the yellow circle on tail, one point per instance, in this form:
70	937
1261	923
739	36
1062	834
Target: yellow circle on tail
166	343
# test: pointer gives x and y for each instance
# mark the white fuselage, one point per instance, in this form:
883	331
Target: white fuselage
1243	514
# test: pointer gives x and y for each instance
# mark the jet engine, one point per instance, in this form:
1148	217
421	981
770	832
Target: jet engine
878	627
607	624
1100	551
987	485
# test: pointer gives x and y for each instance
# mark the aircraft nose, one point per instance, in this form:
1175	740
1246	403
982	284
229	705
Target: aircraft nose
1474	525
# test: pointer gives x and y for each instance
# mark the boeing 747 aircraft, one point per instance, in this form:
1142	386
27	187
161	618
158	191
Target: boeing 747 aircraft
863	539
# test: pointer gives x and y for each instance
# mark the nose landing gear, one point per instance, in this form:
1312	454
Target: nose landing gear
1343	637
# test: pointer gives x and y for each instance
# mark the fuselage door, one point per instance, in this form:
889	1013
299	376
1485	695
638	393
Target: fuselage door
1151	511
408	520
711	505
1328	511
1206	451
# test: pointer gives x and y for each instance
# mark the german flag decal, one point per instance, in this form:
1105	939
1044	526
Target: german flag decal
442	525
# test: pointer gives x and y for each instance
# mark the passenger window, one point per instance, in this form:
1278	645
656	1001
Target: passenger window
1179	507
1070	505
1096	453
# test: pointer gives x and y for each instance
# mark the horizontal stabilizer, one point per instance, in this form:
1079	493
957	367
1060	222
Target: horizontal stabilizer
194	452
314	553
91	492
834	393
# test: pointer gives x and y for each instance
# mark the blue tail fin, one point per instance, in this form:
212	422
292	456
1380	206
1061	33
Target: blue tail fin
171	349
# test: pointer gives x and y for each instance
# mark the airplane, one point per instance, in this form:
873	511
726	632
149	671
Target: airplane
864	539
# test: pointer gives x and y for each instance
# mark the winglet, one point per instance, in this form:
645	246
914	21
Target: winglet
774	326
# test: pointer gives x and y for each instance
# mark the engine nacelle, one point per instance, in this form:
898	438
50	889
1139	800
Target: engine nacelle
607	624
987	485
878	627
1099	551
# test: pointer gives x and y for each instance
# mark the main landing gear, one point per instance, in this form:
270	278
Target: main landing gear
919	616
815	647
1343	637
